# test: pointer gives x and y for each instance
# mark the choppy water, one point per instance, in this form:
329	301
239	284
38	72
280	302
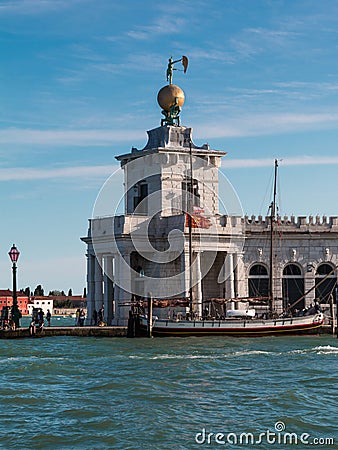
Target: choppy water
88	393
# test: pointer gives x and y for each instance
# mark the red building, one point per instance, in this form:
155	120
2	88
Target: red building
6	299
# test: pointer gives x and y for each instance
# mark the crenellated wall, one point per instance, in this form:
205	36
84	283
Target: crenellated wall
311	224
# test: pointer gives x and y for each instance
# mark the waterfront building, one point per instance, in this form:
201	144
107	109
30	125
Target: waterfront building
147	249
43	302
57	304
6	299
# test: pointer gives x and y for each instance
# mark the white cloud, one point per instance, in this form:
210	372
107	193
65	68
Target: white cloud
288	161
26	7
245	125
67	137
268	124
169	23
23	173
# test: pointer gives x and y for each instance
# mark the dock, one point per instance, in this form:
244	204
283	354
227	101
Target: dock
86	331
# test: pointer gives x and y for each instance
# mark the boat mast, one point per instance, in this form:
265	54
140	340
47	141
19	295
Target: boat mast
272	220
190	210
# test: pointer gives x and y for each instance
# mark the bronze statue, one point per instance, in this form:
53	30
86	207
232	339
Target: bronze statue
171	97
171	67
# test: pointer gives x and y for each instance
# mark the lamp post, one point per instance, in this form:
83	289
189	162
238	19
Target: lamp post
14	256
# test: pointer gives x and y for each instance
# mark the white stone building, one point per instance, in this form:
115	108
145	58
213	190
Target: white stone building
150	249
147	249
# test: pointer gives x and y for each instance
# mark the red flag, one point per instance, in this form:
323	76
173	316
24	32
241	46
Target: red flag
185	63
197	221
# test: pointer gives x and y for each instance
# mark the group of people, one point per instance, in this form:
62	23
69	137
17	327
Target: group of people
80	317
6	318
98	317
307	311
9	319
38	321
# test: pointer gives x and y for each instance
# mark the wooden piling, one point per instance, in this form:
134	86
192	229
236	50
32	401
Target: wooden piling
150	315
333	316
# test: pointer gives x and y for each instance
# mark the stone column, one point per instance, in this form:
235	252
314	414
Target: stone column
108	289
122	289
198	286
98	283
241	287
186	273
278	289
309	282
90	287
116	290
229	275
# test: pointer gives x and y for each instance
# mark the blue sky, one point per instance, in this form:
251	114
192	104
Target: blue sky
78	86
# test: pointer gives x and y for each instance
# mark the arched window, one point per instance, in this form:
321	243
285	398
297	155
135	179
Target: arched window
324	269
258	270
292	269
293	287
324	288
258	281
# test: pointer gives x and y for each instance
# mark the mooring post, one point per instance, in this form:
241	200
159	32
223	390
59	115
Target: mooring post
337	310
150	315
333	317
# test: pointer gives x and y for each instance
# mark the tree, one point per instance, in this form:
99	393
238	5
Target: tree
55	293
27	291
70	293
38	291
62	303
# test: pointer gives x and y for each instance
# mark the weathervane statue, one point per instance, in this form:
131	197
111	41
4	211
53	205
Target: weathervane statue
171	97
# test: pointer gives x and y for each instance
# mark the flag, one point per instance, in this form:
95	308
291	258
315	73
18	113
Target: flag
185	63
197	221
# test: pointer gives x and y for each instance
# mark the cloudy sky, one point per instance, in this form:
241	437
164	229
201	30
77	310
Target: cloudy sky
78	86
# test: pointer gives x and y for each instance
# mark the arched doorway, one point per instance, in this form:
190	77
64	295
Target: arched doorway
293	287
324	289
258	281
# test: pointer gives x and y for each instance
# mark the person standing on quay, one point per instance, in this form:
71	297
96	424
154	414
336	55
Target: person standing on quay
101	316
82	318
77	317
95	317
48	317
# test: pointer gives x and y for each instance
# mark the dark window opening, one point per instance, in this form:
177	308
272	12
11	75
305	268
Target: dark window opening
188	190
141	190
324	269
292	269
258	269
258	281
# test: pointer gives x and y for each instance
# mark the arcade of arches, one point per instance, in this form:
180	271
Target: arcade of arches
293	283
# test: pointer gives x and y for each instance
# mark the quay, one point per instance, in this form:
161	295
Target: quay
87	331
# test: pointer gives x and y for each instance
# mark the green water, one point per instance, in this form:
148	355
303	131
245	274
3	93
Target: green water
88	393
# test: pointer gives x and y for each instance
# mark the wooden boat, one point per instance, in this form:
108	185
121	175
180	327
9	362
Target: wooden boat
237	322
235	327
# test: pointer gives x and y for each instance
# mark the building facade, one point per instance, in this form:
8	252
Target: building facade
6	299
149	248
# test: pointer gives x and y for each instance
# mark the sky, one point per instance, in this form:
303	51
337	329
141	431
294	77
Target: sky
78	86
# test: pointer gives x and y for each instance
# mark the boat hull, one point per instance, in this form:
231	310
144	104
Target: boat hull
235	327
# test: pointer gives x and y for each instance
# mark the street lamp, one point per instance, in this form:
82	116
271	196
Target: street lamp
14	256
